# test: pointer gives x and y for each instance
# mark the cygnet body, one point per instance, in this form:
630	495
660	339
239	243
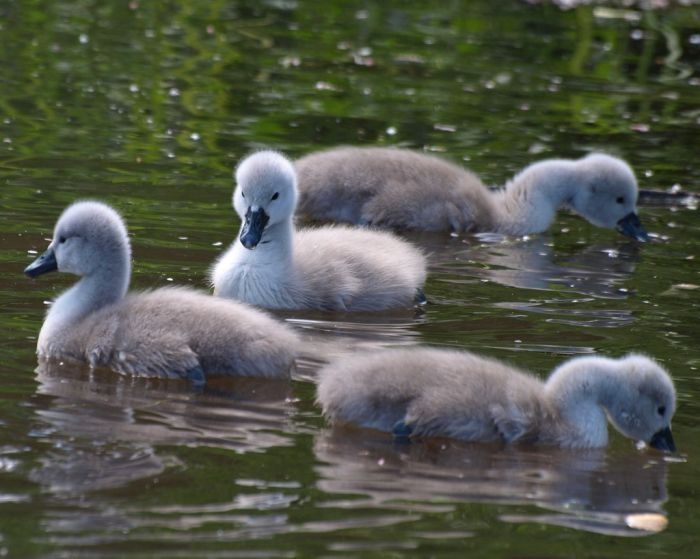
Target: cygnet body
169	332
436	392
401	189
334	268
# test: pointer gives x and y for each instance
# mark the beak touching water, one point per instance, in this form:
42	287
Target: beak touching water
632	227
663	440
45	263
255	222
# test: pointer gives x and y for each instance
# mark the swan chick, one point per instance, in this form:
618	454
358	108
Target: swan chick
436	392
273	265
401	189
168	332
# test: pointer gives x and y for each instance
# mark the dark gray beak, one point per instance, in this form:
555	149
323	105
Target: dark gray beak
253	227
663	440
632	227
45	263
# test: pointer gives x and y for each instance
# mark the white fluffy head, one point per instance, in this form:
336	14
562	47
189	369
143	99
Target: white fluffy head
266	180
607	189
89	236
636	393
647	400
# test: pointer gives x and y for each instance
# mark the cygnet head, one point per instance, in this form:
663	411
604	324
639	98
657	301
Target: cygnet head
607	196
636	393
644	408
89	237
265	195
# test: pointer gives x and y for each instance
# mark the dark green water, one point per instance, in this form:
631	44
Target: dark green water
149	105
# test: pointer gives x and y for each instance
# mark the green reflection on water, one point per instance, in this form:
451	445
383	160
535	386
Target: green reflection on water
149	105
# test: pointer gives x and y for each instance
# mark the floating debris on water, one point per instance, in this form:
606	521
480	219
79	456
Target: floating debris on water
649	522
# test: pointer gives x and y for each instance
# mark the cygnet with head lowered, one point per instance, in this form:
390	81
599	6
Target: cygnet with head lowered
334	268
435	392
401	189
167	333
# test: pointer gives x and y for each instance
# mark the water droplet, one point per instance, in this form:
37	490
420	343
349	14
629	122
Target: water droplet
84	39
134	88
325	86
391	130
640	127
445	127
174	92
194	137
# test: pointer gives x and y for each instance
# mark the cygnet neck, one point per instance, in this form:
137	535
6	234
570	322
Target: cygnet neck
580	392
529	202
106	285
276	246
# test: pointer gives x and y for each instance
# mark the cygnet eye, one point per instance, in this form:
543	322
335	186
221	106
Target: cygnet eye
661	410
275	196
61	239
242	194
620	200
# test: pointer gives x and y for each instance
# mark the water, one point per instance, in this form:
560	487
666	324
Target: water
148	106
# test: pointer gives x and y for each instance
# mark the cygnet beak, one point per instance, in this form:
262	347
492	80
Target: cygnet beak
255	222
663	440
45	263
632	227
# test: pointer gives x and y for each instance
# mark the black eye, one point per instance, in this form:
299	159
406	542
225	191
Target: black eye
243	194
620	200
661	410
61	240
275	196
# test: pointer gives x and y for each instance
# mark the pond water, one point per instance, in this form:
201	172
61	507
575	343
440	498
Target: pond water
149	105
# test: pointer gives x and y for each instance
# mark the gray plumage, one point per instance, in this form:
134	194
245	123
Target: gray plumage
168	332
401	189
435	392
335	268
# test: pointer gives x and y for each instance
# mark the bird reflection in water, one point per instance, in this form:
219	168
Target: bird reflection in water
604	491
598	270
105	429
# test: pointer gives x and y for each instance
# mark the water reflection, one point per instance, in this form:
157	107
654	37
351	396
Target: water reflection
531	263
104	429
327	336
597	491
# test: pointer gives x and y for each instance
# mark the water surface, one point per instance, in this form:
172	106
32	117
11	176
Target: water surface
149	105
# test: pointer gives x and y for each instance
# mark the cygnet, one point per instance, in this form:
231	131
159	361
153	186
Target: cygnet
337	268
435	392
168	332
401	189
